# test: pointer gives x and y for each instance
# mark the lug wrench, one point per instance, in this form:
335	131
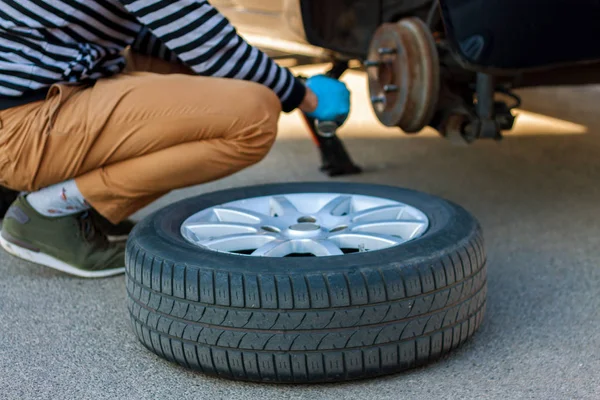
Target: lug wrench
334	156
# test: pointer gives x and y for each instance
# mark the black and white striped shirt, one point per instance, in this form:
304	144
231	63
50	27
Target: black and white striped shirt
43	42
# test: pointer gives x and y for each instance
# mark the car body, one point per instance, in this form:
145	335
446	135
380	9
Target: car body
315	28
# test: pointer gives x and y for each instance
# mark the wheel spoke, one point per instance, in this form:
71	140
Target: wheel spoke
280	205
364	241
405	229
340	205
275	248
321	248
207	230
237	242
382	213
234	214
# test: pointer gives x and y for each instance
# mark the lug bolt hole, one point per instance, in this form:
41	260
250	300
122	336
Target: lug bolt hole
303	220
339	228
270	229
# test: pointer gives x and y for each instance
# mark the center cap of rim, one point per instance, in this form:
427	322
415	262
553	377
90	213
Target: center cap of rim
305	227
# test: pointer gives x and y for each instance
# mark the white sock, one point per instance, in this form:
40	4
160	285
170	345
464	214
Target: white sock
58	200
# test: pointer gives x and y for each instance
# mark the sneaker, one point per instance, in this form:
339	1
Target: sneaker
71	244
115	233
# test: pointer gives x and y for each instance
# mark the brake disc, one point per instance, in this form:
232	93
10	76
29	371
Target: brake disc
404	74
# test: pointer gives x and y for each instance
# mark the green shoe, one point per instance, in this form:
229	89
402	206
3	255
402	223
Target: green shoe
72	244
115	233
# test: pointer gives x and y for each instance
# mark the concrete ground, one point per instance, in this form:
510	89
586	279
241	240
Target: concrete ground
537	195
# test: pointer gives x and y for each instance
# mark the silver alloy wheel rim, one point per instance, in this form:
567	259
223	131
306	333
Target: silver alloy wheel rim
305	224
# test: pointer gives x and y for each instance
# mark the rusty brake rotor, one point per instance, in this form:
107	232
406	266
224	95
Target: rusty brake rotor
404	74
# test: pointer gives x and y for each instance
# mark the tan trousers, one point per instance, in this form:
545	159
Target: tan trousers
131	139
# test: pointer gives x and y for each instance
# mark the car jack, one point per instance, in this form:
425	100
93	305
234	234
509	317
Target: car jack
334	156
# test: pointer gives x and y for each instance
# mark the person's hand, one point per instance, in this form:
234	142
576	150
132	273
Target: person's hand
332	99
310	102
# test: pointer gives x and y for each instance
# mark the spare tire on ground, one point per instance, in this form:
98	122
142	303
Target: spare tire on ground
309	282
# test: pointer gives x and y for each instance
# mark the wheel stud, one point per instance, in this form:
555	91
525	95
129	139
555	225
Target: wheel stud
378	99
372	63
386	50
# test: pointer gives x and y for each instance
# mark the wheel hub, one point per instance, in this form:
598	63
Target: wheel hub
404	74
304	230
